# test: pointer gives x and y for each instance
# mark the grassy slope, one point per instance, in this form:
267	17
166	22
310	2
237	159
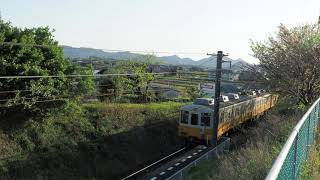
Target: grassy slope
311	169
254	158
114	118
86	141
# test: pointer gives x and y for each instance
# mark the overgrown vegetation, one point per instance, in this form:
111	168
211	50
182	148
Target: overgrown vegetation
311	168
118	117
254	149
81	134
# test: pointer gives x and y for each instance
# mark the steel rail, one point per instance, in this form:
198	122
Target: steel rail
157	162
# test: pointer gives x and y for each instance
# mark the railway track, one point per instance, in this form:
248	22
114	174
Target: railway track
142	172
169	165
166	170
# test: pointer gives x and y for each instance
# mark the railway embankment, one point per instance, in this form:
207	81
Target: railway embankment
254	147
96	141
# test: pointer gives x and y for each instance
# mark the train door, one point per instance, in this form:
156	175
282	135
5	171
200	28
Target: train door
194	122
205	122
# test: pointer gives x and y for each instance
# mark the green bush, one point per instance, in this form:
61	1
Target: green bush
63	129
114	118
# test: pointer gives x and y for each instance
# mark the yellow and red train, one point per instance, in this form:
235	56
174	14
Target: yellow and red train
196	120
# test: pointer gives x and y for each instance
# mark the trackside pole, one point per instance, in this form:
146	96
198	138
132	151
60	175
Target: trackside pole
219	55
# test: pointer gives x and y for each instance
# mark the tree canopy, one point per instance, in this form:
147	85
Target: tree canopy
34	52
134	84
291	61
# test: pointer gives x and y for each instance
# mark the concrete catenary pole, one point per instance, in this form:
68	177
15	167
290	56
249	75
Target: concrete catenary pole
219	55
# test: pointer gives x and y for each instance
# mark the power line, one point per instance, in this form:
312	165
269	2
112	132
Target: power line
23	44
81	75
105	49
199	80
153	52
26	90
39	101
65	97
13	91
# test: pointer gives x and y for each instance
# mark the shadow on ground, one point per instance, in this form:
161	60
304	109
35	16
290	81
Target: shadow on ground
110	157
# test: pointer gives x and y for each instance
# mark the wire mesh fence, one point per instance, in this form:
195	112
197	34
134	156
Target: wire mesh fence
213	153
296	150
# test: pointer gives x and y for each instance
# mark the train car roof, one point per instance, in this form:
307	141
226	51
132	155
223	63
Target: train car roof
203	108
195	107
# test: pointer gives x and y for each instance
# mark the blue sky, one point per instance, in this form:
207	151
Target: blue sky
162	25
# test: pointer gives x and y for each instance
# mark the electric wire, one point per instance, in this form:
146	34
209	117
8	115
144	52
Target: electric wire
105	49
81	75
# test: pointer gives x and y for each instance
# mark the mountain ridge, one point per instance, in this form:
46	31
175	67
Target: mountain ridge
85	52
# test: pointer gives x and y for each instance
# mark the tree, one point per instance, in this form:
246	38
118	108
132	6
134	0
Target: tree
34	52
291	62
135	83
193	92
251	72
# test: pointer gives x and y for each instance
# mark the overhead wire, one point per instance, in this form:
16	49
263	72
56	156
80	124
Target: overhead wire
105	49
66	97
90	75
81	75
38	101
29	90
99	75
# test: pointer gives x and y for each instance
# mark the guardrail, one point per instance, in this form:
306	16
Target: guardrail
296	149
211	154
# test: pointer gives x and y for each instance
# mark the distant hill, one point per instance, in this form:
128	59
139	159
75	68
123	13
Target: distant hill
72	52
208	63
176	60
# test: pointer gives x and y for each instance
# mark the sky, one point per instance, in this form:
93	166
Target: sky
200	26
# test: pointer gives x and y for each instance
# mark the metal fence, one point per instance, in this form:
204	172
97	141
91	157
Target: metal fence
296	149
213	153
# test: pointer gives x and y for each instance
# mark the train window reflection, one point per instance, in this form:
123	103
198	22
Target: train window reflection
205	119
194	119
184	117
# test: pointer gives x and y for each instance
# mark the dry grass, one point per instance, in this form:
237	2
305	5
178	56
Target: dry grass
253	158
7	146
311	169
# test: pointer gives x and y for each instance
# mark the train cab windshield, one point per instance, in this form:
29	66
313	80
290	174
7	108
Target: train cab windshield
194	119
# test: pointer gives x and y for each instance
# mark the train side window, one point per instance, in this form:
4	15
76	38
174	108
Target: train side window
184	117
236	111
194	119
225	116
222	116
205	119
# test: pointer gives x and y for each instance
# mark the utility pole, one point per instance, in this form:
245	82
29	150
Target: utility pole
219	55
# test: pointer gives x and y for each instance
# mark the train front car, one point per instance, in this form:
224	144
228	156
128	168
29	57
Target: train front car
196	123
